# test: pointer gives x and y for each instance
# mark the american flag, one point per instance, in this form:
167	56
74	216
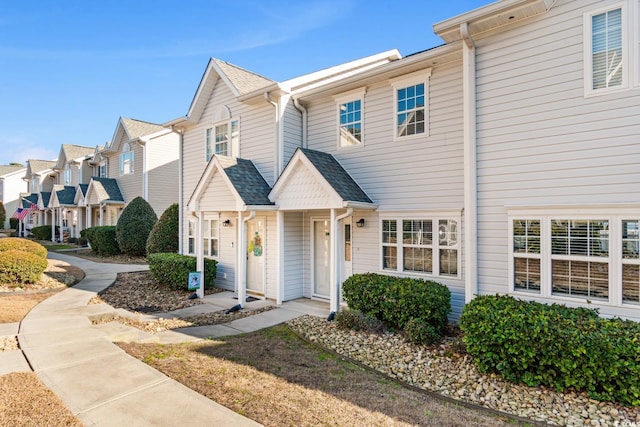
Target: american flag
21	214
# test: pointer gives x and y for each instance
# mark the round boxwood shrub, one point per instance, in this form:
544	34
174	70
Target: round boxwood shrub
102	239
134	226
24	245
173	269
20	267
164	234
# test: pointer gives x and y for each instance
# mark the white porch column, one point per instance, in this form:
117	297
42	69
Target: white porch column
53	225
88	213
200	254
100	215
280	260
60	217
333	253
241	273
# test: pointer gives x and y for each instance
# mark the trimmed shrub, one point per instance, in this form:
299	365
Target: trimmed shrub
553	345
20	267
397	300
13	223
82	241
173	269
421	332
43	232
164	234
134	226
24	245
3	215
102	239
358	321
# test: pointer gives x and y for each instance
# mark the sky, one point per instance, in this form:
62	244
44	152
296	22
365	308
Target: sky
69	69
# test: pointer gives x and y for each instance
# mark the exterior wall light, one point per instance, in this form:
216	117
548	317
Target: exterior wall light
226	223
360	223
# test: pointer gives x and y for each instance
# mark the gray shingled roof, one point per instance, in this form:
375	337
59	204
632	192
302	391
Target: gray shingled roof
83	189
66	195
138	128
111	188
41	165
7	169
72	152
336	176
33	198
243	80
247	181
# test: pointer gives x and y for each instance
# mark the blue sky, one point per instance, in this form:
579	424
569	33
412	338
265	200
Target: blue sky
70	68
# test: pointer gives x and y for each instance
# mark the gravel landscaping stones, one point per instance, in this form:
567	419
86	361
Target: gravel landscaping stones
447	370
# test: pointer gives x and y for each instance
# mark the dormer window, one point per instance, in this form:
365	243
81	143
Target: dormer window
126	160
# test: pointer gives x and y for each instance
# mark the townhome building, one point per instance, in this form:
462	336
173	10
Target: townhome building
12	186
39	186
504	161
141	160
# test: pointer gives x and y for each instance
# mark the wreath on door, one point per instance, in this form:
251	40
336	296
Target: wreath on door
255	245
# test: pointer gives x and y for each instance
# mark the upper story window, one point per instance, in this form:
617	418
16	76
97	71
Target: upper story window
350	118
612	51
411	96
67	174
222	139
35	184
102	169
126	160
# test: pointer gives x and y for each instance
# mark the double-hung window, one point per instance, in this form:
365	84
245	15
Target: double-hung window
421	245
67	174
210	239
568	256
191	238
411	99
607	58
222	139
102	170
350	118
126	160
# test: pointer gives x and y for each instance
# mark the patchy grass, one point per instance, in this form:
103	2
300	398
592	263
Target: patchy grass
277	379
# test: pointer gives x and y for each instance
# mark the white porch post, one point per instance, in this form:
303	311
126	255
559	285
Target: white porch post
333	251
241	274
100	215
88	213
53	225
60	215
200	253
280	274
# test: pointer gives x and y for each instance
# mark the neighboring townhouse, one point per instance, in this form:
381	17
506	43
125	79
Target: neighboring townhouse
12	186
557	157
40	180
140	160
72	169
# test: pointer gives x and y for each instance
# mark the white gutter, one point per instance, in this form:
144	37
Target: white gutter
241	276
181	206
334	298
470	165
303	110
278	150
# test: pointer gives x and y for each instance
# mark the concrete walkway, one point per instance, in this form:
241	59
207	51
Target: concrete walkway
100	383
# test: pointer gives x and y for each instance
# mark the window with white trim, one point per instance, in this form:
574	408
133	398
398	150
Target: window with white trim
350	110
210	240
191	238
611	50
223	139
102	169
35	184
126	160
409	245
67	174
591	258
411	110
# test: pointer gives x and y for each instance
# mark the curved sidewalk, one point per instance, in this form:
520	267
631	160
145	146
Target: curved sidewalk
100	383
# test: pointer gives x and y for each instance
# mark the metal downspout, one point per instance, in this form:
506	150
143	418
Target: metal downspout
470	165
181	206
278	150
303	110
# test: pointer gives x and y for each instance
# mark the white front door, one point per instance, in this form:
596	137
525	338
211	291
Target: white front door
255	255
321	257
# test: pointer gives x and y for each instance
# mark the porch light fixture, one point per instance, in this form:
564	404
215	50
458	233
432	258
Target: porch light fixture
226	223
360	223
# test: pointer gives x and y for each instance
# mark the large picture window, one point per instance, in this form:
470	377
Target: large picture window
421	245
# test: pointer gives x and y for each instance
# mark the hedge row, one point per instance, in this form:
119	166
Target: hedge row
173	269
556	346
43	232
24	245
417	306
102	239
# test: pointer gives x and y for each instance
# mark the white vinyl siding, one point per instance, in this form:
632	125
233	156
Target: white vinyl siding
162	172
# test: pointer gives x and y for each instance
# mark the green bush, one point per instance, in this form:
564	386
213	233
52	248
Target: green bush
134	226
13	223
24	245
397	300
102	239
20	267
3	215
555	346
164	234
173	269
421	332
43	232
358	321
82	241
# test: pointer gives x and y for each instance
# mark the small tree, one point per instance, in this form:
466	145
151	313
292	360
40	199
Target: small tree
3	215
134	226
164	234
